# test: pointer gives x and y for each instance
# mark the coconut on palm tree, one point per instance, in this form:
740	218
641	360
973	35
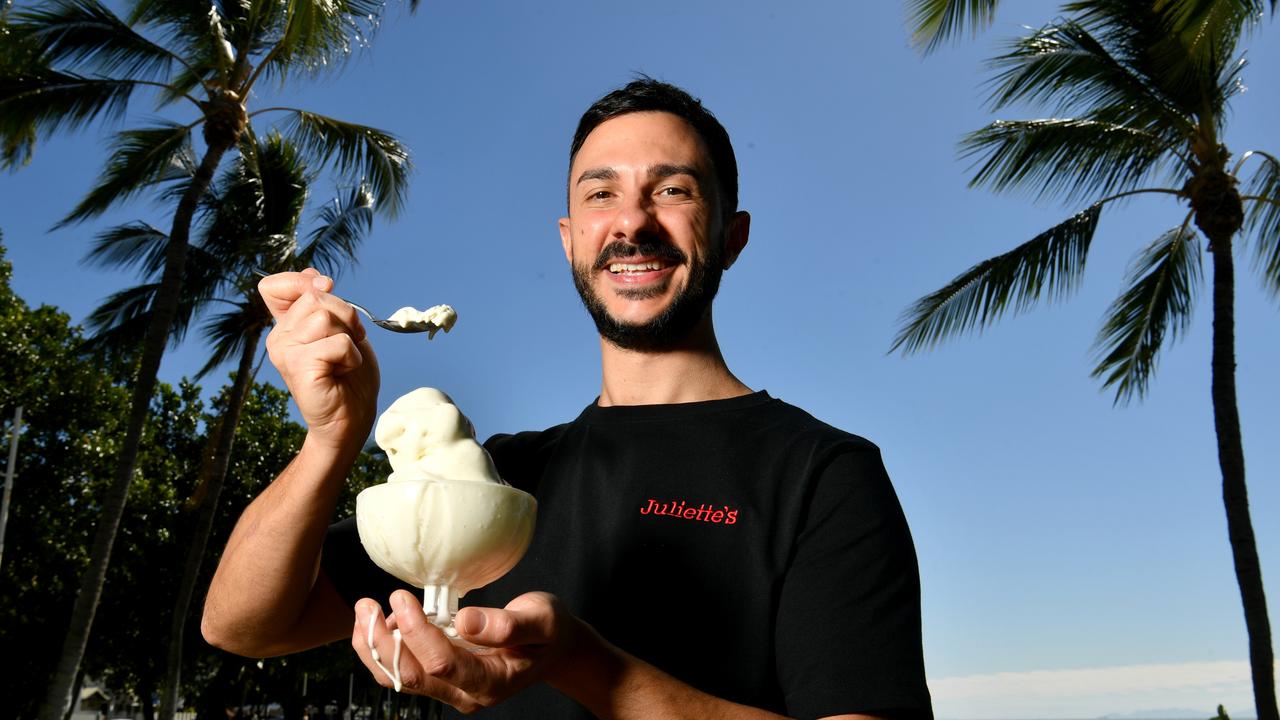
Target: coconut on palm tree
1140	91
251	218
69	62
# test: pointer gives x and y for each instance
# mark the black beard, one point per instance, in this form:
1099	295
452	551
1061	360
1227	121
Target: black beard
674	324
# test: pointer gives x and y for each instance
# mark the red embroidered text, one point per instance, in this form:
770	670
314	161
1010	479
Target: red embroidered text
703	513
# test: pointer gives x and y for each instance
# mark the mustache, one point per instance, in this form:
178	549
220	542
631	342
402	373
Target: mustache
645	248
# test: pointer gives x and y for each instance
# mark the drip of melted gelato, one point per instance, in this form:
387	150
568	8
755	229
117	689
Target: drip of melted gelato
444	521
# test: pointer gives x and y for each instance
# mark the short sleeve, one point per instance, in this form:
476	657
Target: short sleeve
352	573
848	630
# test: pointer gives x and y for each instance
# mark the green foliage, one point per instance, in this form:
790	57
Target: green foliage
1263	221
934	21
1162	291
1051	263
249	223
1063	156
1139	93
139	591
139	158
74	407
68	63
382	158
73	410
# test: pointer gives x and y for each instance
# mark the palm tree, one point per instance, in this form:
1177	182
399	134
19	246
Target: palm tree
932	22
68	62
1145	90
252	215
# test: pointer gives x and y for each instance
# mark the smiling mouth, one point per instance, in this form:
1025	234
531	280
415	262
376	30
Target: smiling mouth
620	268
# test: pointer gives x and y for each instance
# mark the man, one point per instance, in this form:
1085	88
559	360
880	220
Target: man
709	551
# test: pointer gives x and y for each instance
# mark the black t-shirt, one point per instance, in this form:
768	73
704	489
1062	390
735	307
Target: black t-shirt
739	545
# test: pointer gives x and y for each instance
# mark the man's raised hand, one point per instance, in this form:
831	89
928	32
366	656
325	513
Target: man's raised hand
319	346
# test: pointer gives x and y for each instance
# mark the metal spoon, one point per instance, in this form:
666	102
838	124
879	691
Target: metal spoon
415	326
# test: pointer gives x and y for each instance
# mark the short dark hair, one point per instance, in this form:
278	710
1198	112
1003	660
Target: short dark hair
645	94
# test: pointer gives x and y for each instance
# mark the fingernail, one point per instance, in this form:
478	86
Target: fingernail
471	623
397	603
321	283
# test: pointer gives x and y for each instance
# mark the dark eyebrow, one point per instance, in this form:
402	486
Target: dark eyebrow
662	170
604	173
666	170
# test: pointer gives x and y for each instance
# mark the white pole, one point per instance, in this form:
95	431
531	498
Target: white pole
8	476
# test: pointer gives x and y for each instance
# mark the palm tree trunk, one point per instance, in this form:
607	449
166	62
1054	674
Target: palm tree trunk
225	440
1235	495
59	694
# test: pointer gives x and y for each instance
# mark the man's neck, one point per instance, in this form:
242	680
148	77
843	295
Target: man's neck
693	372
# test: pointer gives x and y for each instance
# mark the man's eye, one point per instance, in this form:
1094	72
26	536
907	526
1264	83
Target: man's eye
673	191
600	195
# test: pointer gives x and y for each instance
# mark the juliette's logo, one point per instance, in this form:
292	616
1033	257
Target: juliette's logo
724	514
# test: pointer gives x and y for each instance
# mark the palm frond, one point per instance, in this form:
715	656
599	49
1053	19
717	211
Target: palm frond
139	158
1167	44
120	323
356	151
932	22
1213	26
177	177
343	225
321	33
285	180
179	18
1065	68
86	36
181	85
124	246
38	100
1049	264
1072	158
1162	287
1262	221
229	332
256	205
19	55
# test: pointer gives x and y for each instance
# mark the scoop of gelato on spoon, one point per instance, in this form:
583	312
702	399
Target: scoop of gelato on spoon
431	320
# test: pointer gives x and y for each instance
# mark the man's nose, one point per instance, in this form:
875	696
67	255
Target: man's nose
635	219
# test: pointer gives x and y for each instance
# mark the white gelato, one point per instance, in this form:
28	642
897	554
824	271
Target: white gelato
444	521
433	319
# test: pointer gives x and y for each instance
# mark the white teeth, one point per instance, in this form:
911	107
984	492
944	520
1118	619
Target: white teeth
634	267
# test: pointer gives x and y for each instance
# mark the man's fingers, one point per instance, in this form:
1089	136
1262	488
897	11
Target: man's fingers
527	620
430	664
281	290
412	678
480	679
335	355
315	314
366	643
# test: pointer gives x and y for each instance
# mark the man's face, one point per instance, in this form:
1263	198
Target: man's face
645	235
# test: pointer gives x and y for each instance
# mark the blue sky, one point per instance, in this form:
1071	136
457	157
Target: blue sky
1073	554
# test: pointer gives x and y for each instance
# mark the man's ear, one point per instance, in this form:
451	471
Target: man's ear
566	239
735	236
